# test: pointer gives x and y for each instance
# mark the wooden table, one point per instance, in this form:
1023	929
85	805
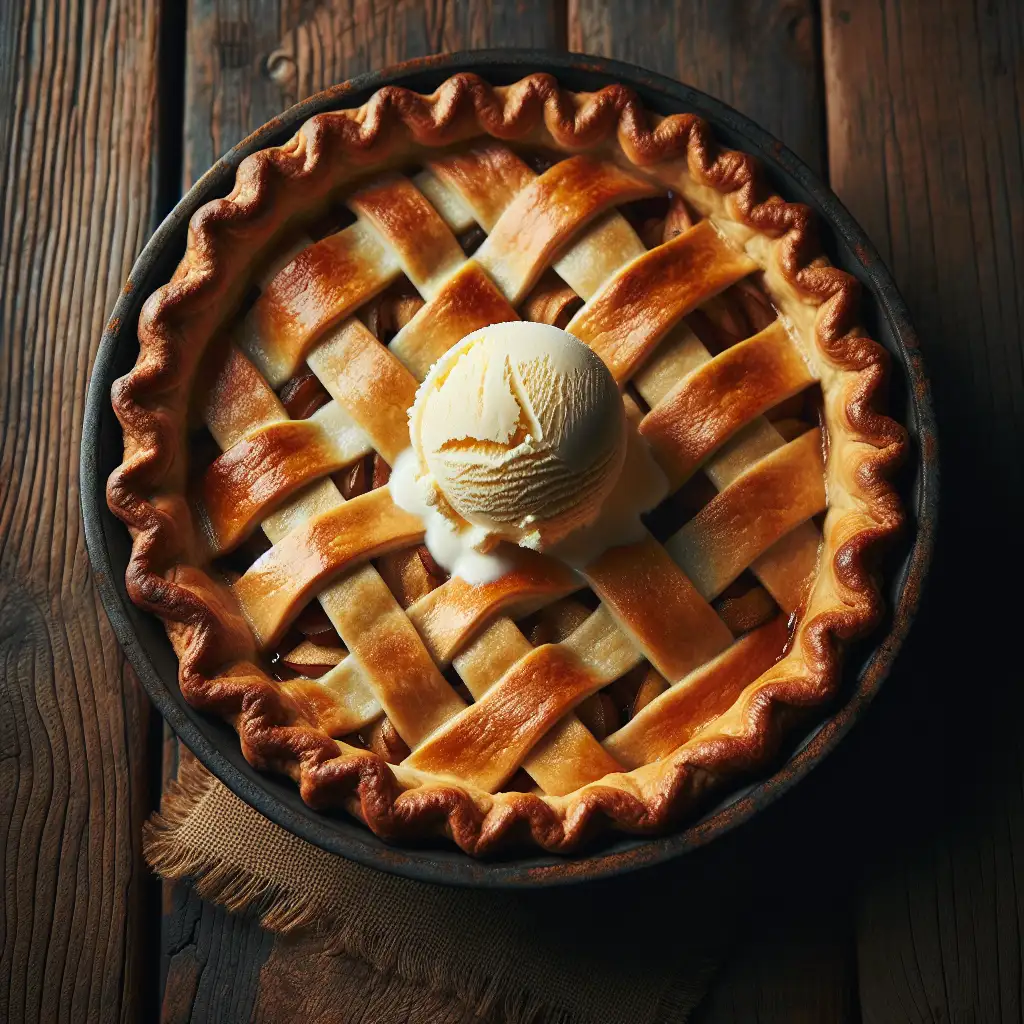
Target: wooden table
897	869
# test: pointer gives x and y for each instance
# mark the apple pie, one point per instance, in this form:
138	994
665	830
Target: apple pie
506	464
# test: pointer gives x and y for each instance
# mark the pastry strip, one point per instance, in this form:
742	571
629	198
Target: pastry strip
468	301
323	284
682	710
785	572
239	401
249	480
567	756
382	640
271	593
490	739
661	610
752	513
486	178
372	385
424	244
486	743
448	616
341	701
648	296
544	216
469	179
713	402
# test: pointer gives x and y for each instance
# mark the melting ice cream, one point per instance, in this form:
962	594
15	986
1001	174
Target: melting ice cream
519	434
520	431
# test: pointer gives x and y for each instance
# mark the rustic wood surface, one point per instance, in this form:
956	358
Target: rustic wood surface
886	887
78	88
925	139
761	56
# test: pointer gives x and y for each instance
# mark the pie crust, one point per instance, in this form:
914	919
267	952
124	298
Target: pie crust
805	514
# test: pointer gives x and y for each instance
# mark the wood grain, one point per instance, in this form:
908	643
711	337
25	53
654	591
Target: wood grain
794	957
925	130
248	61
918	816
79	99
760	56
245	63
212	961
347	991
793	964
925	139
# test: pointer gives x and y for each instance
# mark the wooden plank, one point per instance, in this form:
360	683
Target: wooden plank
250	59
368	997
925	132
213	961
784	879
760	56
793	959
247	60
793	964
925	140
78	91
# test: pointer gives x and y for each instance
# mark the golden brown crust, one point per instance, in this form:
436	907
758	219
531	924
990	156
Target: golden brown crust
673	624
757	510
715	401
449	615
227	238
624	322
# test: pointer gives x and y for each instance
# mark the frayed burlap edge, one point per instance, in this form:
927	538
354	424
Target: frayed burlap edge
171	854
250	864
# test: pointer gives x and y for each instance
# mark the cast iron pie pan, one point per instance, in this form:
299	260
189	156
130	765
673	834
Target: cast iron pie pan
215	743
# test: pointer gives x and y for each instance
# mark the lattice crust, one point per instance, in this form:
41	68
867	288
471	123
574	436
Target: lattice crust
556	247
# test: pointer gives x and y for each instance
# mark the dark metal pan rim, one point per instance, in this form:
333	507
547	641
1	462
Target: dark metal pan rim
216	745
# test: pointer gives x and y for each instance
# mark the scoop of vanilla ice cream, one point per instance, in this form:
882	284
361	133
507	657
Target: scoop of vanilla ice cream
520	431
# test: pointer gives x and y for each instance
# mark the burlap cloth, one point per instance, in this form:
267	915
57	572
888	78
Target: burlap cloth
638	949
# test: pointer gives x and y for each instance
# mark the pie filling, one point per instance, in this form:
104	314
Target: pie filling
636	511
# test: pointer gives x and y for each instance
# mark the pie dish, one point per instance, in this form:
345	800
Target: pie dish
270	399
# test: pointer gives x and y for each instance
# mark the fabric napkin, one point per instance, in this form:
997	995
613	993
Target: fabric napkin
641	948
